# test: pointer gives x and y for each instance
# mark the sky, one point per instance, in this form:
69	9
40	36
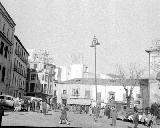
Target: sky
124	29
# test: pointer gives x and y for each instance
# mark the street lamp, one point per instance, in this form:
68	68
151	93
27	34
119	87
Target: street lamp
94	44
149	52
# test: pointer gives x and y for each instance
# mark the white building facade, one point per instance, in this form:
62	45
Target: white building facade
83	91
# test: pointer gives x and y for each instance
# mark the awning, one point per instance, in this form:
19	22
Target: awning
79	101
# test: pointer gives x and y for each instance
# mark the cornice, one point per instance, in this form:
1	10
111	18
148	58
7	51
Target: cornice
6	16
5	38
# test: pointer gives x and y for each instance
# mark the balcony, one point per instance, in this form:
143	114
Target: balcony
64	96
15	69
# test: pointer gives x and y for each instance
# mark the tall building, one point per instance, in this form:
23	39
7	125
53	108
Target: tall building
42	74
19	69
7	29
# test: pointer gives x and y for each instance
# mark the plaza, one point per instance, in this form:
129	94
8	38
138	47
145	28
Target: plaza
51	119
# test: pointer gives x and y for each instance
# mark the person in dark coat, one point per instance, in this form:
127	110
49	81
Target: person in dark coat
1	114
33	105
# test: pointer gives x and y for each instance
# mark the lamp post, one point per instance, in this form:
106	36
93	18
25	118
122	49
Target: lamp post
149	52
94	44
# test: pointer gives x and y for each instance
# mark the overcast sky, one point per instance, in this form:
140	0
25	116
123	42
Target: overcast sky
124	28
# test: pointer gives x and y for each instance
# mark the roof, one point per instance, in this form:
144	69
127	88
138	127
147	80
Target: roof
88	81
10	20
21	44
91	81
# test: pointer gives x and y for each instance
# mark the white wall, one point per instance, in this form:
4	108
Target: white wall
154	91
119	91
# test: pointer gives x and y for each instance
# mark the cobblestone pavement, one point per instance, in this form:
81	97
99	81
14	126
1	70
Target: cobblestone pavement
52	120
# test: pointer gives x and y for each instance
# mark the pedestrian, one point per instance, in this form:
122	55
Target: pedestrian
44	107
108	112
16	104
114	116
143	119
41	109
150	123
33	105
63	116
90	110
136	119
28	105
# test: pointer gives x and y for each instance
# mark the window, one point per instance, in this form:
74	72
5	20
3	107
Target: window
111	96
6	51
46	78
55	93
32	87
3	74
33	76
43	77
35	66
8	98
27	87
64	91
87	93
3	28
1	49
138	95
15	81
8	33
75	92
2	97
0	67
13	78
44	66
50	78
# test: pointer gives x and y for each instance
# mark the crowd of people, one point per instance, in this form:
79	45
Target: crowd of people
38	105
42	106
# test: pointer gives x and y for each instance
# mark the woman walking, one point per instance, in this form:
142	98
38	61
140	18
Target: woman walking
114	117
63	116
44	107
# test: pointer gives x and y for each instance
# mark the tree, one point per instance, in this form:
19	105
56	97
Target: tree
129	79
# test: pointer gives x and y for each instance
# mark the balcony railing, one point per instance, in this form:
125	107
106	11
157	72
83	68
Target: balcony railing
64	96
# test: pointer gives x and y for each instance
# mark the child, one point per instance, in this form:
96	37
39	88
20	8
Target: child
1	114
